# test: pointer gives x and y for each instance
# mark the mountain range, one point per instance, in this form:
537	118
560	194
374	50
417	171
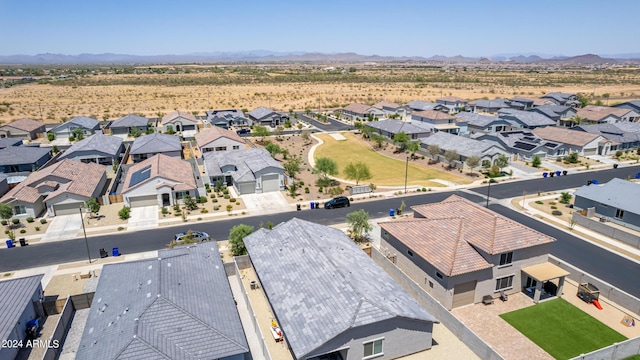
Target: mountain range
270	56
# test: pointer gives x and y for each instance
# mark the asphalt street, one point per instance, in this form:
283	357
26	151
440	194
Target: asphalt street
333	125
610	267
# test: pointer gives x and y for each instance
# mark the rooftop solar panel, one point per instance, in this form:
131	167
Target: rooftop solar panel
523	146
140	175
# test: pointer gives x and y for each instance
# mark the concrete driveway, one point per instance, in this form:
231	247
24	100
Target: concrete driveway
265	203
143	218
63	227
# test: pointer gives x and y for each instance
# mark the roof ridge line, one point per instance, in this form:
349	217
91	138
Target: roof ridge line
455	249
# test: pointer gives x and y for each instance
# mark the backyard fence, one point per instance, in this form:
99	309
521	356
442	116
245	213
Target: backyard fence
60	331
605	229
617	351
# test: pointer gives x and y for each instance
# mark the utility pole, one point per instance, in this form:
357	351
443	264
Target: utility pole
86	242
406	174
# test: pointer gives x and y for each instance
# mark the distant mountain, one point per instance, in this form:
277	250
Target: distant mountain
587	59
525	59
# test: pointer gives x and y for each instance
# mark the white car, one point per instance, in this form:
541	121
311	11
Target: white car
197	236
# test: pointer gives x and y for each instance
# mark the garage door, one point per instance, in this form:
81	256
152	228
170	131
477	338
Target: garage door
588	152
67	209
139	201
270	182
463	294
246	188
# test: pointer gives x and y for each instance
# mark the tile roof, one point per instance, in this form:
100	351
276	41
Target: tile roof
130	120
170	117
453	99
565	136
73	177
421	105
260	112
615	193
483	228
395	126
491	104
109	145
357	108
205	137
17	155
247	162
25	124
15	297
320	284
155	143
178	306
595	113
386	104
85	122
621	132
528	118
433	114
562	97
475	119
167	167
7	141
464	146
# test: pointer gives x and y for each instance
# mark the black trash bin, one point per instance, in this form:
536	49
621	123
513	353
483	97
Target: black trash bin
103	253
298	207
615	166
23	242
317	205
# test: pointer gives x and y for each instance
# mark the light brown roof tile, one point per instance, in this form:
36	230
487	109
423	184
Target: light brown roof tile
163	166
433	114
26	124
205	137
382	104
595	113
176	114
358	108
453	99
565	136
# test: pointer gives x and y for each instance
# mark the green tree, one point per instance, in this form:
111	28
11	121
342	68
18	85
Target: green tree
261	131
169	130
377	139
78	134
135	132
606	96
306	136
292	166
451	156
325	167
618	154
582	98
358	172
572	158
565	197
473	162
494	171
55	149
273	149
6	211
366	130
190	202
124	213
413	147
434	151
486	164
93	205
236	238
401	139
536	162
502	161
359	225
51	136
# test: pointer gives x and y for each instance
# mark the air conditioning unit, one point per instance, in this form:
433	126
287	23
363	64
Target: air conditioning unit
604	219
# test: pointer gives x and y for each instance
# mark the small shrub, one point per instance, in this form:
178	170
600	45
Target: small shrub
418	190
15	221
229	207
225	191
120	228
552	203
4	222
176	207
232	200
214	200
213	196
204	211
37	228
556	212
539	202
124	213
554	207
29	219
164	210
237	202
226	196
306	190
320	189
216	207
350	199
22	231
424	189
43	221
301	183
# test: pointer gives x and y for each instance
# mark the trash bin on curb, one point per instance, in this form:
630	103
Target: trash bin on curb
317	205
10	244
564	172
558	173
391	212
23	242
298	207
103	253
115	251
313	204
544	174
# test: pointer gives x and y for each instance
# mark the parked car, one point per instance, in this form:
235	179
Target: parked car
243	131
339	201
197	236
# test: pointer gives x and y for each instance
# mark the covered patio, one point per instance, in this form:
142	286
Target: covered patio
540	281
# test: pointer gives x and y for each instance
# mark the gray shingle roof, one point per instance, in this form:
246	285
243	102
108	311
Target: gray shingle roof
98	142
260	112
633	105
561	97
16	155
130	120
527	118
491	104
155	143
475	119
615	193
15	296
622	132
85	122
178	306
247	162
421	105
6	142
464	146
320	284
395	126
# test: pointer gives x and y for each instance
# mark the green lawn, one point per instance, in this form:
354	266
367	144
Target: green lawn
561	329
385	171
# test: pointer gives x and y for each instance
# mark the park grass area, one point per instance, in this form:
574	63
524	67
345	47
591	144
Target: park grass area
385	170
561	329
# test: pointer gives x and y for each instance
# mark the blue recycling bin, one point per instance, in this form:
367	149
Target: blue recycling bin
313	205
544	174
637	175
10	244
558	173
391	212
594	182
115	251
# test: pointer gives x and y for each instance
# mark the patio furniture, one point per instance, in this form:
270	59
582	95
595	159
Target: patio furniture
503	295
487	299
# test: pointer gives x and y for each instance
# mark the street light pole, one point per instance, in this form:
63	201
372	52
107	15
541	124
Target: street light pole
489	191
85	235
406	175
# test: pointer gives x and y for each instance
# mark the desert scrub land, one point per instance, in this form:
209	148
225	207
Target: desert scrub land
111	92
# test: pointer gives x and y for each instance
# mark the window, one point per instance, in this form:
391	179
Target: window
373	349
410	252
20	209
505	259
504	283
180	194
236	147
221	148
439	275
619	213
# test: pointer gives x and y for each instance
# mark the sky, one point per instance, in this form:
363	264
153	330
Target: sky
388	28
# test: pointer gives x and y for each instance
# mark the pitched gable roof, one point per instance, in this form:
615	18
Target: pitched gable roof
595	113
17	155
565	136
170	117
260	112
246	162
98	142
452	99
433	114
15	296
528	118
483	228
386	104
178	306
464	146
25	124
130	120
357	108
205	137
85	122
315	291
475	119
395	126
167	167
155	143
615	193
422	105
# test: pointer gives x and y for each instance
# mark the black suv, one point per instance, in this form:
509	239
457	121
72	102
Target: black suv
340	201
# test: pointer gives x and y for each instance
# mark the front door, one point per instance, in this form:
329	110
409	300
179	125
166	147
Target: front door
166	200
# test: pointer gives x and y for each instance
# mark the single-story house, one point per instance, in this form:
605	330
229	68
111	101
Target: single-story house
489	106
419	105
357	111
267	117
147	146
99	148
21	302
479	123
465	147
604	114
176	306
460	252
26	129
219	139
525	119
4	184
87	125
563	99
520	103
563	115
453	103
6	142
330	299
391	108
632	105
583	143
249	170
180	121
160	180
390	128
524	145
60	189
623	136
616	200
227	118
14	159
126	124
438	121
